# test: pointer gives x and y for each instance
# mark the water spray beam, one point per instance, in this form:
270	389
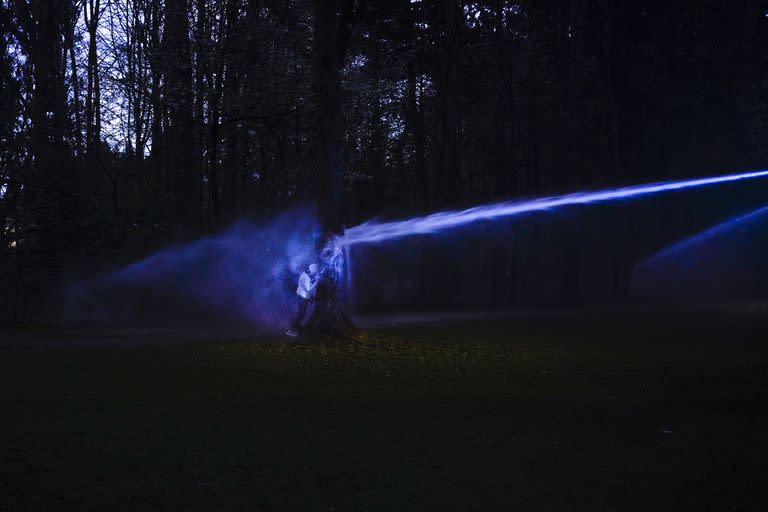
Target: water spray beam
681	246
372	231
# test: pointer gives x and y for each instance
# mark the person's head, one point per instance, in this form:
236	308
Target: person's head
313	268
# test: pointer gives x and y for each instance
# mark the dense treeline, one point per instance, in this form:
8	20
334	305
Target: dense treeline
128	124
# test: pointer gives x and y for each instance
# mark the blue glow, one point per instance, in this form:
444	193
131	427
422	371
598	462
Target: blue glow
249	271
245	273
729	225
725	260
373	231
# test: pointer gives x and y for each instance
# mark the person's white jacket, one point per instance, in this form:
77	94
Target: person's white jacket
306	289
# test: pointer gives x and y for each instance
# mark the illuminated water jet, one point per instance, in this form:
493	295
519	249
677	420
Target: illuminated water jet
742	221
244	274
249	271
373	231
725	260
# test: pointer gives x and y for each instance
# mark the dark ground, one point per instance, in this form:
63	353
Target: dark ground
591	409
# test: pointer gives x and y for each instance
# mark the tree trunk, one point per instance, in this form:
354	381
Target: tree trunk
331	33
92	12
414	120
69	40
214	113
139	78
201	72
178	82
448	156
153	42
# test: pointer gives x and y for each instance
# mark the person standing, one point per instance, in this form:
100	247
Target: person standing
306	293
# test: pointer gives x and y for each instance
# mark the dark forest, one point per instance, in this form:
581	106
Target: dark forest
129	125
384	255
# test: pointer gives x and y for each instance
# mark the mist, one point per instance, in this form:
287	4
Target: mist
244	275
724	261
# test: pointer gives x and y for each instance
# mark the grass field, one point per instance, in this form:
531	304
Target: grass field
644	415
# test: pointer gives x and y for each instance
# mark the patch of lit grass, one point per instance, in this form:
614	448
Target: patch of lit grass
384	362
438	361
470	362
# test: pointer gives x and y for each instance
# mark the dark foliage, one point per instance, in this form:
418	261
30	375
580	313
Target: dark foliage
126	125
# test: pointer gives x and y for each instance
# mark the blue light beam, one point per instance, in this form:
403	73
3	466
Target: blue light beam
374	231
679	248
726	260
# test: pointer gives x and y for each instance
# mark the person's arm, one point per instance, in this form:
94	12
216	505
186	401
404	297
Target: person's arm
312	289
304	286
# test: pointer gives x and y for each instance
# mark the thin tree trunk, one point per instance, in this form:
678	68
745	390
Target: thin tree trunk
138	79
182	152
70	42
448	165
156	151
91	14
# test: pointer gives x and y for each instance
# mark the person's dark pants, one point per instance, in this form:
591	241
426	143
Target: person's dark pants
298	316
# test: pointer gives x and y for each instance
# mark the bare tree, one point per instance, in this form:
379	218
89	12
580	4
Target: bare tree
69	41
92	11
180	138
